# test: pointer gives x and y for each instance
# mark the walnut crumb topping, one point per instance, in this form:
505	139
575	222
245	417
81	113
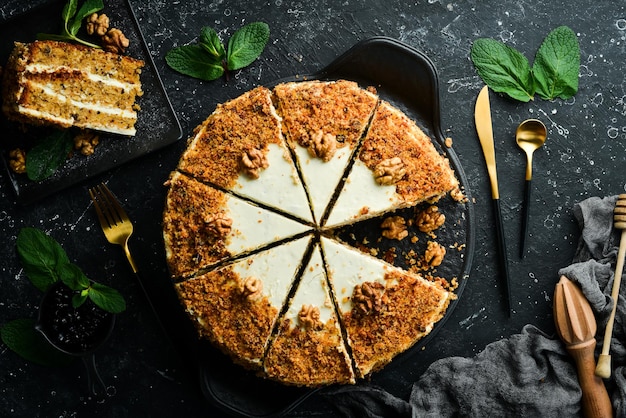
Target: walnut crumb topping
219	225
251	288
323	145
430	219
17	161
389	171
86	141
434	254
394	227
309	317
368	297
252	161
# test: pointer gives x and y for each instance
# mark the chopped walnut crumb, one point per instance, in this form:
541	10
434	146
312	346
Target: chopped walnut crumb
252	161
389	171
17	161
448	142
368	297
309	317
434	254
458	196
86	141
394	227
97	24
251	288
115	41
430	219
219	225
323	145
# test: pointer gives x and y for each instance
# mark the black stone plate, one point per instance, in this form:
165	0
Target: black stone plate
408	79
157	124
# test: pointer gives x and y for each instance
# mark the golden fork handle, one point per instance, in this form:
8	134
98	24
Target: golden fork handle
129	256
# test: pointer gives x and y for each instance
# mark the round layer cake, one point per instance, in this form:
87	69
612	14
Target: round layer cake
251	227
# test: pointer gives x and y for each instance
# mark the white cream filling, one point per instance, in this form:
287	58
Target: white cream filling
47	68
312	290
276	268
361	194
253	226
278	185
322	178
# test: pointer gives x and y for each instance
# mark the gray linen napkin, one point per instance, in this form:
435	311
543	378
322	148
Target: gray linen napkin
529	374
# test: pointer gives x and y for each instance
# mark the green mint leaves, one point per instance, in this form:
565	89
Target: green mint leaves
45	157
20	336
72	17
553	74
45	262
209	60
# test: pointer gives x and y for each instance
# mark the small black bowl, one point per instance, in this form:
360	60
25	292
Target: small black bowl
77	332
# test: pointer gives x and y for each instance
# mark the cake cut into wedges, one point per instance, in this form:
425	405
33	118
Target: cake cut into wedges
385	310
203	225
64	84
240	147
308	349
324	122
236	306
397	166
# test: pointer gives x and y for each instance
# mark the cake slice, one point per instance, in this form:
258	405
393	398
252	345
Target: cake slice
385	310
308	349
324	122
240	147
397	166
236	306
203	225
64	84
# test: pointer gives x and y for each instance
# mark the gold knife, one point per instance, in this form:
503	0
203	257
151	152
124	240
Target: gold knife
482	118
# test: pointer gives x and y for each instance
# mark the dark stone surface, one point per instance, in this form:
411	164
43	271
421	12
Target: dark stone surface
583	157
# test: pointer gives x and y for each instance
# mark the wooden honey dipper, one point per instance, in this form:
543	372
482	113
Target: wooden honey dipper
576	326
603	369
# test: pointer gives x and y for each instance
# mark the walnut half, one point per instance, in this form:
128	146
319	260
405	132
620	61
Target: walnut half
394	227
434	254
430	219
97	24
309	317
219	225
368	297
115	41
251	288
323	145
17	161
389	171
252	161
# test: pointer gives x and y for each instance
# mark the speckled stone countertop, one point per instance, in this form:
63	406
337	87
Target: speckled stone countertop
583	157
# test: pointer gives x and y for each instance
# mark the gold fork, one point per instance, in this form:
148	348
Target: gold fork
114	221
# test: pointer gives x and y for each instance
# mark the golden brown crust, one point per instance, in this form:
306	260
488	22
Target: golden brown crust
339	108
191	242
392	135
237	324
308	357
237	127
407	313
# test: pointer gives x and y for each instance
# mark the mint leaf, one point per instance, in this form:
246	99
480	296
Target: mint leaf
79	298
503	69
72	276
557	65
210	41
21	336
107	298
69	10
194	61
40	256
44	158
89	7
247	44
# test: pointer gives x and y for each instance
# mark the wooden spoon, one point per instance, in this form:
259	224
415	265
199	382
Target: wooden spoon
619	222
576	326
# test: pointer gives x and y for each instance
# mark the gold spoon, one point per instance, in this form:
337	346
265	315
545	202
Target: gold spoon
530	135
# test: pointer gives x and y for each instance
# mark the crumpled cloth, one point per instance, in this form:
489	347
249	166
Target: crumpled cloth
529	374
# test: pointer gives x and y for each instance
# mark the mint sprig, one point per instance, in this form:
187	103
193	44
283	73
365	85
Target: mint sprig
72	18
20	336
209	60
553	74
48	155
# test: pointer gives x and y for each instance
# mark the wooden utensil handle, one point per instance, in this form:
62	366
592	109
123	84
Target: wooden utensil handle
595	399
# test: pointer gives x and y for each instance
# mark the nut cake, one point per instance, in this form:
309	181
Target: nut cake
251	231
